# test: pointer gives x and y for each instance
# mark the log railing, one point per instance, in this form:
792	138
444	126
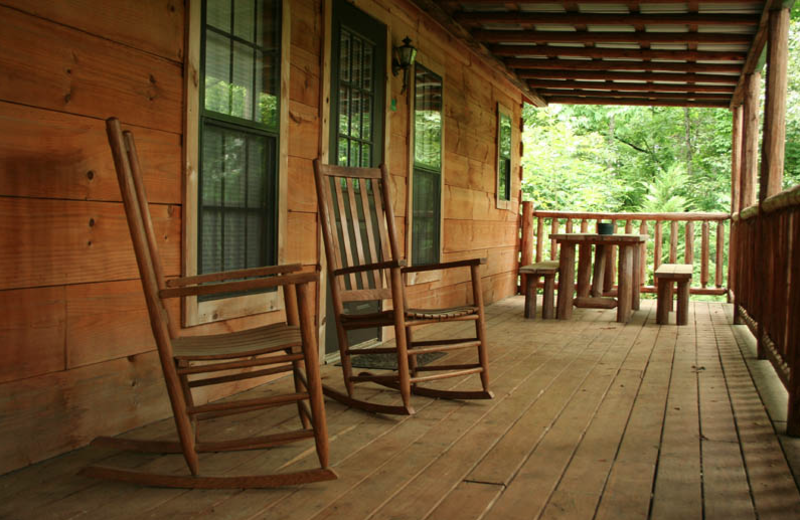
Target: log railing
766	286
699	239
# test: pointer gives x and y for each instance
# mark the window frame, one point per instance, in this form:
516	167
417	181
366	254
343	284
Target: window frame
195	312
439	69
502	203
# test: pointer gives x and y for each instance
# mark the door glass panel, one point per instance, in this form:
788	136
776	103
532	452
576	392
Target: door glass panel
356	98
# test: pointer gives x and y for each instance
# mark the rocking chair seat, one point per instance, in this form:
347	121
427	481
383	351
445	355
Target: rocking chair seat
251	342
387	317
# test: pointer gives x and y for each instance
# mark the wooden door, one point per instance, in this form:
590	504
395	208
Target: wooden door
358	85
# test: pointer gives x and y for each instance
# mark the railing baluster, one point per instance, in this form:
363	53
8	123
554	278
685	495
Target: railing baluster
584	225
643	262
657	247
628	227
704	256
553	245
720	253
673	242
539	238
611	262
569	225
689	250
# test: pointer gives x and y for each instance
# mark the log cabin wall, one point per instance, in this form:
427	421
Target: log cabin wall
77	356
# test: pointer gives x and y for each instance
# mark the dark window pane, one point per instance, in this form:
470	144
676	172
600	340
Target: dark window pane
504	157
237	214
426	203
242	89
268	24
218	14
244	19
427	119
218	73
267	89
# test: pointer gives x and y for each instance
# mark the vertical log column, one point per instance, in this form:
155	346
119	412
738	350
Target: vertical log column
772	151
526	256
747	193
736	175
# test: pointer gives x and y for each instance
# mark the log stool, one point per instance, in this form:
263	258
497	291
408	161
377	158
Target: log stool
533	272
666	276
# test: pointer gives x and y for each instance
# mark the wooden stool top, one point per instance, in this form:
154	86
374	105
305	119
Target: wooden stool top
675	271
549	267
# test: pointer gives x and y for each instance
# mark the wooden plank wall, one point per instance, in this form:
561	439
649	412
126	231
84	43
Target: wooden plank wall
77	356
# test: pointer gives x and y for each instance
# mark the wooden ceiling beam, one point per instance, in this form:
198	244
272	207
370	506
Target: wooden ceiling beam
639	87
635	95
530	64
627	76
490	36
552	52
756	55
477	18
574	100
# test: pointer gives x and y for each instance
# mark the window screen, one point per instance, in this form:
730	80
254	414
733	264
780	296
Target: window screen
239	123
427	177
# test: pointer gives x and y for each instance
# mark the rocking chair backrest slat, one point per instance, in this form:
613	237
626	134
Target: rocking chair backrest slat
354	228
138	217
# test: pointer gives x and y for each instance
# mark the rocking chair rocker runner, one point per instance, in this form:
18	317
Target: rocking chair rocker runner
358	229
283	347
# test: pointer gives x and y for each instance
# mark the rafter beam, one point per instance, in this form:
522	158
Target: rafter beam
550	51
756	56
573	100
639	87
530	64
640	37
516	17
628	76
548	93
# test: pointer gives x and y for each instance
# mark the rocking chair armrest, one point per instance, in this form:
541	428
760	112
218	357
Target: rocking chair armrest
240	285
234	275
369	267
445	265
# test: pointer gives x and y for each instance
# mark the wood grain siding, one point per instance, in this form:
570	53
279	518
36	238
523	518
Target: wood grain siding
77	355
46	154
67	70
52	242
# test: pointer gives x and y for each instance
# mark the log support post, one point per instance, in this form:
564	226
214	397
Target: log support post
526	245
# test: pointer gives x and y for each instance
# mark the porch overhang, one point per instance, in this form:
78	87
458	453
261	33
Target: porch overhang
656	52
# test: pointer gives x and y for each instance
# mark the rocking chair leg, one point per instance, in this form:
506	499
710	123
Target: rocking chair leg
293	318
297	366
400	338
480	325
187	395
344	358
309	335
412	360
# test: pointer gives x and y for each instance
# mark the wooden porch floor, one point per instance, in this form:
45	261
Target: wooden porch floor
592	419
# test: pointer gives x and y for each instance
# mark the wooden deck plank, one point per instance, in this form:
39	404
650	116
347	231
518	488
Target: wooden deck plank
527	370
532	486
774	491
591	418
630	482
678	489
356	502
726	492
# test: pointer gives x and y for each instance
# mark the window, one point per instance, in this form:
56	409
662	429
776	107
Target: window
233	135
427	174
503	157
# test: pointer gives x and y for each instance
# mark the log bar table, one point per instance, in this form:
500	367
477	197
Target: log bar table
629	269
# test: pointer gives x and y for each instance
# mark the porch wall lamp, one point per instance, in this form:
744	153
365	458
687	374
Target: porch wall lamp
404	56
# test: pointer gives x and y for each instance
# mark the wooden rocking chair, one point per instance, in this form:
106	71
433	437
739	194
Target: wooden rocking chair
283	347
364	264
